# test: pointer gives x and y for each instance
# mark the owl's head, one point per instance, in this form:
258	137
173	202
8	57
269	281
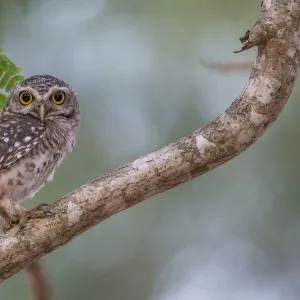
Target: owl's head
44	97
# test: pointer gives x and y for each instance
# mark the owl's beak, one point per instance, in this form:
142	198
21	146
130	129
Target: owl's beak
42	112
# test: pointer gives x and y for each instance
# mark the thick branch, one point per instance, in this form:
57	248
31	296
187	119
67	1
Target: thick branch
266	93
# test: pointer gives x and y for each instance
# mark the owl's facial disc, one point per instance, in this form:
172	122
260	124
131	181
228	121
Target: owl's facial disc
44	97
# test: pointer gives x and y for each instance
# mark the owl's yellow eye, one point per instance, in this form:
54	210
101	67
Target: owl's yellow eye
25	98
58	97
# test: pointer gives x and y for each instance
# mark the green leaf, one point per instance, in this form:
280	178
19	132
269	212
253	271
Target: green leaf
12	81
2	100
9	75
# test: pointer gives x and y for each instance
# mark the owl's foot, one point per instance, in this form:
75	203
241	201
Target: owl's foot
41	211
13	214
9	212
7	224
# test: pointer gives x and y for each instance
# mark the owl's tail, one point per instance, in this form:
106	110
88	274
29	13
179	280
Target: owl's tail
40	288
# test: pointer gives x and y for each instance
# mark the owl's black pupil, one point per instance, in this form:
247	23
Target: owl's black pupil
57	97
26	97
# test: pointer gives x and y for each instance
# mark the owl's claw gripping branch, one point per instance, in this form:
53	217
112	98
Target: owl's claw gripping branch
13	214
45	208
41	211
10	213
7	225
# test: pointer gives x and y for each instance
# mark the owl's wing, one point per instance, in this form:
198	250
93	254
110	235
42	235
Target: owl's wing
18	135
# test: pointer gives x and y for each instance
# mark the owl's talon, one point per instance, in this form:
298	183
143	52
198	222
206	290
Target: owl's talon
5	229
36	213
49	213
15	219
44	208
8	224
21	216
22	224
43	204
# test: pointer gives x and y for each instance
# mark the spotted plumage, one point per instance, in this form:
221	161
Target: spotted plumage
37	129
18	135
42	83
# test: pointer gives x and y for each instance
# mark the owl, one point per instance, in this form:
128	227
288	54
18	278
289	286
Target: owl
37	129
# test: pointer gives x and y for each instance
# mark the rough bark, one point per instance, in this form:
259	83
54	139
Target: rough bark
277	36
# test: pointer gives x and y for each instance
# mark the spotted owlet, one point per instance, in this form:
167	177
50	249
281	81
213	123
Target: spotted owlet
37	129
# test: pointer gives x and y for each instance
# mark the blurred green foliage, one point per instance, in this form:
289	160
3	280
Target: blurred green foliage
9	75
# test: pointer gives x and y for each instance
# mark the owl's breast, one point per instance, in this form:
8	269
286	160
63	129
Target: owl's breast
32	163
23	179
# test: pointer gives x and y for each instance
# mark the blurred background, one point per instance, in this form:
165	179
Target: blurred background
230	234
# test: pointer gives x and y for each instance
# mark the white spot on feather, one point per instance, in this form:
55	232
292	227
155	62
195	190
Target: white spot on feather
17	144
27	138
6	140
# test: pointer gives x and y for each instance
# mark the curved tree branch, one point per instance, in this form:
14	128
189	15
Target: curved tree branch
277	36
